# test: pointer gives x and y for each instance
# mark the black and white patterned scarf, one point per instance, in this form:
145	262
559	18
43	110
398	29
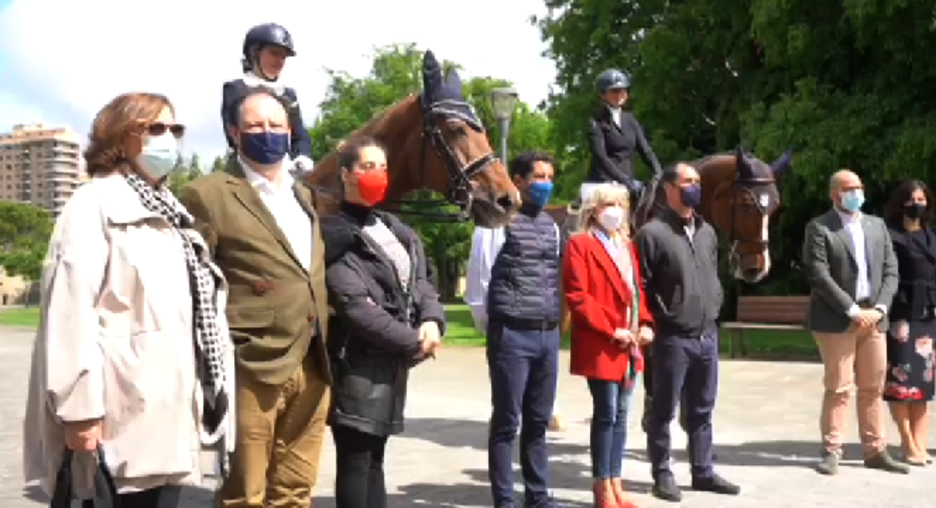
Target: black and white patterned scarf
209	351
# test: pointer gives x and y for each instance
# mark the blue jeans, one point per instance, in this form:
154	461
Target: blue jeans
523	367
610	402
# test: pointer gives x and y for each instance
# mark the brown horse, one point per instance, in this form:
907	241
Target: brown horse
460	164
739	194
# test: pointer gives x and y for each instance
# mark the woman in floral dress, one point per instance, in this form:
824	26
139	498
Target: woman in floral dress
909	383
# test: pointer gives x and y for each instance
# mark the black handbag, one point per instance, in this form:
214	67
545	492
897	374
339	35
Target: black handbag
105	493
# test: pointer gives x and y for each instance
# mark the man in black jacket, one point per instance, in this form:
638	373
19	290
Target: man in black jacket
678	254
614	134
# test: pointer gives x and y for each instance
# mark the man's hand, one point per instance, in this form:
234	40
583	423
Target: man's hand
83	436
867	318
644	336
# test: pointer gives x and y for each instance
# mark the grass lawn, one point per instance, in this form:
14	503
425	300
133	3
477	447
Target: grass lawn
761	343
461	332
20	316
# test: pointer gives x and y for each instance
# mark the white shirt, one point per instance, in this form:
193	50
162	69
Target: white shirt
616	115
486	244
283	204
852	224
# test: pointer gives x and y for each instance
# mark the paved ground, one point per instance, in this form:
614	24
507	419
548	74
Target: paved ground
765	433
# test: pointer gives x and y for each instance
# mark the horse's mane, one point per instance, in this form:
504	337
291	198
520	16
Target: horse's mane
327	166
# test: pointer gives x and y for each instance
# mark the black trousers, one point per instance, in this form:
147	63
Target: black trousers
684	367
359	475
159	497
648	394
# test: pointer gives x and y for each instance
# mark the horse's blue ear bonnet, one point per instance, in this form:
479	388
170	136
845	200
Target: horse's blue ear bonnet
445	97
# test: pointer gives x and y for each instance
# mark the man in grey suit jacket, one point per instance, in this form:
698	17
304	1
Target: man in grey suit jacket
853	274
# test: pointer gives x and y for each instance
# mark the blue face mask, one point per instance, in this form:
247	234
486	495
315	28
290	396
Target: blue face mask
853	200
265	147
159	155
540	192
691	195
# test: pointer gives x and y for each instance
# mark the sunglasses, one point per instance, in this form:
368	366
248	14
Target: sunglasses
159	128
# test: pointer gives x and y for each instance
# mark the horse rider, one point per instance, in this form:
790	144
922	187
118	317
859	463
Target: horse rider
266	48
614	134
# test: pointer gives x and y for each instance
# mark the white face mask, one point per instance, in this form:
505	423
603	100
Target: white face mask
611	218
159	155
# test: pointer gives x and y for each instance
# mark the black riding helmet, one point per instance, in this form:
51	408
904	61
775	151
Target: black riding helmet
612	78
261	35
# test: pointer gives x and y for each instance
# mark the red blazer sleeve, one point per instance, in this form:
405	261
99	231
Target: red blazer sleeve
643	313
583	307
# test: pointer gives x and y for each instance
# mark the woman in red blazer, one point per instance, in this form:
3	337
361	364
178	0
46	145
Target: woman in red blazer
610	320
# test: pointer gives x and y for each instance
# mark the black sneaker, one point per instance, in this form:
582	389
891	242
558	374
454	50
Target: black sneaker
665	488
715	484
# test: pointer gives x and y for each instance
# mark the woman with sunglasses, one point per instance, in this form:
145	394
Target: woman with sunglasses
614	135
266	48
132	360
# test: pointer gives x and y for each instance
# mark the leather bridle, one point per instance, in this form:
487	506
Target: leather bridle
742	186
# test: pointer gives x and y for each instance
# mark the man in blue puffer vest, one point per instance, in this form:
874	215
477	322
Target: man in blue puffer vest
521	314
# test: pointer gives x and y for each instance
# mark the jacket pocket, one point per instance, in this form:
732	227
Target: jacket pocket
250	317
365	387
150	415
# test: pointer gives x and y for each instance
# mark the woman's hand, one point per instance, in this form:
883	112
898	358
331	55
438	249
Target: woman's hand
83	436
623	337
644	336
429	338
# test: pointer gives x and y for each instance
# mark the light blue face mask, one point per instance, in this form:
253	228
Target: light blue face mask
159	155
853	200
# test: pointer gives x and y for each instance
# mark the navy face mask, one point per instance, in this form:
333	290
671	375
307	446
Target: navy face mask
265	147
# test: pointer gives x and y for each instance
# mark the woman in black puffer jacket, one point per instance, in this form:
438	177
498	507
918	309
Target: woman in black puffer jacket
387	319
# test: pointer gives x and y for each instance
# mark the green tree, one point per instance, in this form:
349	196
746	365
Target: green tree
184	172
845	84
396	72
24	239
218	164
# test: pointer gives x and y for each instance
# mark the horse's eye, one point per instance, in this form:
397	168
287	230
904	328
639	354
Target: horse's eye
458	130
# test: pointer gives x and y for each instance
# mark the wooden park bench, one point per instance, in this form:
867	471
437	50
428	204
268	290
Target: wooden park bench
776	313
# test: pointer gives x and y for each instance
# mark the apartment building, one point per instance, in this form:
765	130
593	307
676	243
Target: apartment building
40	165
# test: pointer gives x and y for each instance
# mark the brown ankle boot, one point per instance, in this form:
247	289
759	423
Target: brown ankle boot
617	487
604	495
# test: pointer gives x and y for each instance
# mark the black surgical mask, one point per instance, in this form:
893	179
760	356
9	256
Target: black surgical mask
914	210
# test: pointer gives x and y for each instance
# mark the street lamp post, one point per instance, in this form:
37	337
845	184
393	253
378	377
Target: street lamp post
503	101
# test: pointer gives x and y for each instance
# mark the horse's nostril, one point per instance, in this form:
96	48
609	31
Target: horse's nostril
751	272
505	202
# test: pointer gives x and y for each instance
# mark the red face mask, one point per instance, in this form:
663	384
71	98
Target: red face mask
372	186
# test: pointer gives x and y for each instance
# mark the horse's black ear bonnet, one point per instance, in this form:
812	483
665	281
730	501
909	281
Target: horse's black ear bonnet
445	97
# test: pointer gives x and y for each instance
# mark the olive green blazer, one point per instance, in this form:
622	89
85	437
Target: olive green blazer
277	308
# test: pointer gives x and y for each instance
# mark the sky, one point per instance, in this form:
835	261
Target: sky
62	60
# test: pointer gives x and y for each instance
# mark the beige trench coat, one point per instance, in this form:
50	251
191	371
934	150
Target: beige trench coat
115	342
